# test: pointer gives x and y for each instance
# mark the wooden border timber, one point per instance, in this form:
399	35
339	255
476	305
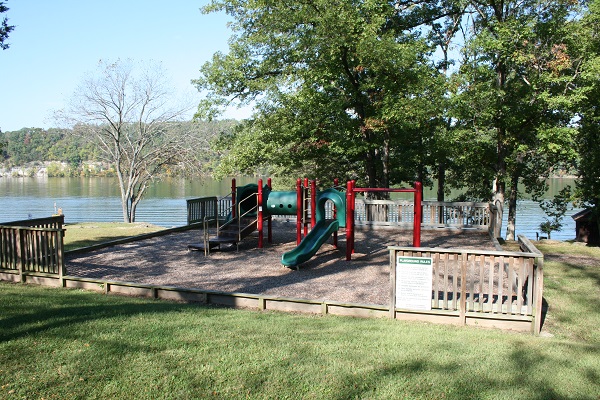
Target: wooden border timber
281	304
234	300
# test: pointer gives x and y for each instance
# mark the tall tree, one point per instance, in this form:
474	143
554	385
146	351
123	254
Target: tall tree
340	87
516	82
442	34
588	138
127	108
5	29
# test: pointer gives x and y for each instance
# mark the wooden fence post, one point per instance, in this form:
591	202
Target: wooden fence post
392	312
60	260
463	288
539	290
20	255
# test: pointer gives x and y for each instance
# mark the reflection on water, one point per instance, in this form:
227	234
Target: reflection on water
98	199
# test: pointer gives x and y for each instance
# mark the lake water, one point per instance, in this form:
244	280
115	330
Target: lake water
98	199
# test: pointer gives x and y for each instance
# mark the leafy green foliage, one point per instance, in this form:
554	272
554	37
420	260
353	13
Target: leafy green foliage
82	156
555	209
515	95
5	29
341	89
35	144
588	139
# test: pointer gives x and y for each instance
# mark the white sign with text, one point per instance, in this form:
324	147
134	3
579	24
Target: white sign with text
413	282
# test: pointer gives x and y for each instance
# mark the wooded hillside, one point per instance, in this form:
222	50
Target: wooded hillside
63	152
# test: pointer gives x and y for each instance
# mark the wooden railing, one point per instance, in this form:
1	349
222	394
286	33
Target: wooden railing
201	208
500	288
33	247
400	213
435	214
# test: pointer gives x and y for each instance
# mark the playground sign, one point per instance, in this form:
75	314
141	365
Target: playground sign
413	282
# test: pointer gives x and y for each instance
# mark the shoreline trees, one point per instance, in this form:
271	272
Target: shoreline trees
127	109
359	89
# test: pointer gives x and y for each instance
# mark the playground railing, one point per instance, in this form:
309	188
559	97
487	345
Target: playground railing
241	216
456	214
225	206
201	208
33	247
435	214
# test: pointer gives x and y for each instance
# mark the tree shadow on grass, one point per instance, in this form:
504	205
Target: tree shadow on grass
71	309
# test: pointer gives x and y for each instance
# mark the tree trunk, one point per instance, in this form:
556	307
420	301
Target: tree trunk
125	196
499	188
134	203
512	209
441	177
500	193
385	160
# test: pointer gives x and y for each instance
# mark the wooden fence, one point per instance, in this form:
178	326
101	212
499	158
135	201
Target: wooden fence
488	288
32	247
435	214
399	213
472	287
201	208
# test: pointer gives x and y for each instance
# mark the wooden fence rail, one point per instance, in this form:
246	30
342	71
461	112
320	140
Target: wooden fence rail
435	214
398	213
33	247
500	288
201	208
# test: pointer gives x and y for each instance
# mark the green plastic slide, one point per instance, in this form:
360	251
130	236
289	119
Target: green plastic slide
311	243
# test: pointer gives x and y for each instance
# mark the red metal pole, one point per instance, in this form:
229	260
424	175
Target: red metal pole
299	211
270	217
352	207
313	203
305	205
418	214
349	218
233	205
260	214
335	234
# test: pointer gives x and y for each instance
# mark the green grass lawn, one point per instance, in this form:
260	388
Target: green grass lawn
90	233
59	343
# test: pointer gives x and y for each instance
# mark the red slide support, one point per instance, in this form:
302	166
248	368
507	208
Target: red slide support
299	212
259	223
418	195
350	196
313	203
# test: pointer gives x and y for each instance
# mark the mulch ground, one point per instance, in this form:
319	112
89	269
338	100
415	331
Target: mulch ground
365	279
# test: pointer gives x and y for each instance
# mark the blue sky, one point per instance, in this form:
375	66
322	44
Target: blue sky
55	44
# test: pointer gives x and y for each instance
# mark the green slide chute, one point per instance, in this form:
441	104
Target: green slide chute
311	243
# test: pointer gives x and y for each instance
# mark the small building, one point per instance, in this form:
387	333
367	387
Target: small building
586	227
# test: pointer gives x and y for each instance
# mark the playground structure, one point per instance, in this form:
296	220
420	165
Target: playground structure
253	205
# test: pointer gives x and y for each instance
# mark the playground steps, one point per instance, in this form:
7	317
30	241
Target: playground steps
230	233
234	231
